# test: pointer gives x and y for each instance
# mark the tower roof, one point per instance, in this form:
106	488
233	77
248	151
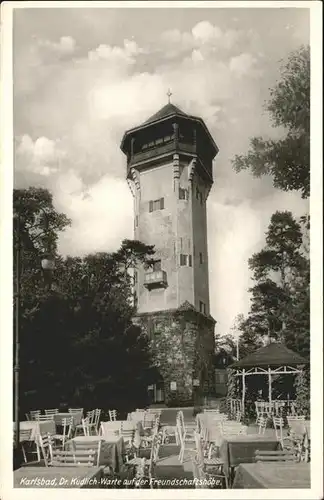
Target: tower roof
167	110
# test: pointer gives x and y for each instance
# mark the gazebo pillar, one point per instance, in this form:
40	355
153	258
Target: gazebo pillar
243	391
270	385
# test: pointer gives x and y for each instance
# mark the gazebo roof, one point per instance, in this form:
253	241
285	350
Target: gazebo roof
273	354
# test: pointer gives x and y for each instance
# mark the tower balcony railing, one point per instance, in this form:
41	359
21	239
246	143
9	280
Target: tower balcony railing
143	156
155	279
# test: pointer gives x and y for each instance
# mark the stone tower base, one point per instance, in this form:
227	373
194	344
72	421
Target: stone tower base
182	344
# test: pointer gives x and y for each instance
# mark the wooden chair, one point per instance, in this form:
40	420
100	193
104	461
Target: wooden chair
112	415
188	427
85	425
44	418
45	446
185	439
95	425
24	437
214	463
33	414
275	456
92	420
229	428
149	420
128	434
52	412
261	423
94	445
147	440
67	425
75	410
82	458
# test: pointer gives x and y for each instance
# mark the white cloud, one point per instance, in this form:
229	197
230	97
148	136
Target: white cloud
66	45
242	64
100	220
197	56
41	156
126	54
205	32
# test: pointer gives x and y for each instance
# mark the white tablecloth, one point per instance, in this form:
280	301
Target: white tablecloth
110	428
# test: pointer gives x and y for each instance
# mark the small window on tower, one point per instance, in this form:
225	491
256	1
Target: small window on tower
202	307
197	193
183	194
136	221
156	205
185	260
201	258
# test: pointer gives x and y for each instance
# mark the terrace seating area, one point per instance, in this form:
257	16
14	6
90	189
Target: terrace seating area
149	449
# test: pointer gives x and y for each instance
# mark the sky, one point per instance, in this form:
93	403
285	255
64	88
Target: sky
82	76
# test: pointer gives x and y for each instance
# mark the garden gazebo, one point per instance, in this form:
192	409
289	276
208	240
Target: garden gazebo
272	359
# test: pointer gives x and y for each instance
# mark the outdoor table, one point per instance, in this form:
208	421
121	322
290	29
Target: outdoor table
240	449
140	416
111	452
58	477
108	428
42	427
209	426
77	417
272	475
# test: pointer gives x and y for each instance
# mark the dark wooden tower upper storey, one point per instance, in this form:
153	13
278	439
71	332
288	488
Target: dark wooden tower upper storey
170	131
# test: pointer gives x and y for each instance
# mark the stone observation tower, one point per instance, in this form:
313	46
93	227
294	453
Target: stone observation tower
170	173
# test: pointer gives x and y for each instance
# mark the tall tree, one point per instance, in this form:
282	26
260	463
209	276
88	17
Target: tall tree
287	159
280	295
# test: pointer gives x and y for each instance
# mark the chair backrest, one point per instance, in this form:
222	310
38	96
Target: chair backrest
97	416
46	444
53	411
112	414
278	427
274	456
85	422
149	420
128	432
24	434
67	424
296	418
71	458
33	414
180	430
238	416
91	416
156	442
261	423
41	418
199	448
180	417
229	428
76	410
93	445
109	428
